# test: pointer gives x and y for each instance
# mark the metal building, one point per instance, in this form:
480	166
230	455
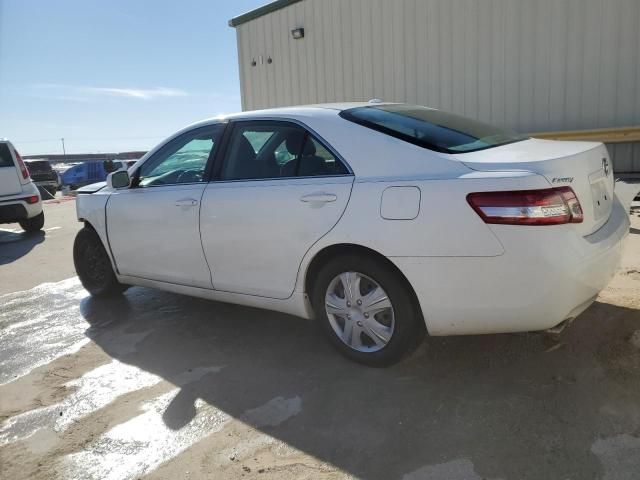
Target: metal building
530	65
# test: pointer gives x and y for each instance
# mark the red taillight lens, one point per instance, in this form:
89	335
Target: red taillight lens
32	199
550	206
23	168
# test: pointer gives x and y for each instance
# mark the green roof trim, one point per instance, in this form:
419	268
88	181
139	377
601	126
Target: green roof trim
260	11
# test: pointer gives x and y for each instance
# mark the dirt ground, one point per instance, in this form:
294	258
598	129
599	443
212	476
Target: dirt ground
163	386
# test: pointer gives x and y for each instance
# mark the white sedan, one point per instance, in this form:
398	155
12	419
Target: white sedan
382	221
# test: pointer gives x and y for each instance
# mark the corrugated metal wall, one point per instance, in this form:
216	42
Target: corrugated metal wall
531	65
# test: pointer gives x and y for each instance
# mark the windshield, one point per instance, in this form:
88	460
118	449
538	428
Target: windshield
430	128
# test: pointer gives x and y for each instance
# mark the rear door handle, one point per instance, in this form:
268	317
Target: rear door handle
320	197
186	202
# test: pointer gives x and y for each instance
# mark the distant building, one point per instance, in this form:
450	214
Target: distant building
529	65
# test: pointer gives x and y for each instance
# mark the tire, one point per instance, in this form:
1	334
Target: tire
94	266
33	224
400	328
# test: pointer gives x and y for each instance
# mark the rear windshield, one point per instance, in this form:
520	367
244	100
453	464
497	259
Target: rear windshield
430	128
38	166
5	156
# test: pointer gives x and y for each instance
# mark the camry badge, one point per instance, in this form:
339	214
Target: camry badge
605	166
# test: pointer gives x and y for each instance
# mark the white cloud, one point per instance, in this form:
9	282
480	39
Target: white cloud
86	93
142	93
64	98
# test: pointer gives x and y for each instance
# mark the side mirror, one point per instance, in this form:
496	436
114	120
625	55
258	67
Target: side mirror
119	179
109	166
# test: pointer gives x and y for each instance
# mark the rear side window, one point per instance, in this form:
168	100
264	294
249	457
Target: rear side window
430	128
5	156
316	160
260	150
265	149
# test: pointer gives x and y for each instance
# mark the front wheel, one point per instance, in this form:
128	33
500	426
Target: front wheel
33	224
367	310
93	265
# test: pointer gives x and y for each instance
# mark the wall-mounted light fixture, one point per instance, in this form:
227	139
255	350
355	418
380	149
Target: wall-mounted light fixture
297	33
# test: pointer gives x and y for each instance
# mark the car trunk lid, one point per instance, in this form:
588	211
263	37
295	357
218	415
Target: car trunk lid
583	166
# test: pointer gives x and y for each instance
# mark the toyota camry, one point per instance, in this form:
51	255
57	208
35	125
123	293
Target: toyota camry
381	221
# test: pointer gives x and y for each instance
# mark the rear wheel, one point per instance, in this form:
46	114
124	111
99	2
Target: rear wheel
367	310
94	266
33	224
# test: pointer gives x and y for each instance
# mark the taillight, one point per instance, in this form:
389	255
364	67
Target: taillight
23	167
550	206
32	199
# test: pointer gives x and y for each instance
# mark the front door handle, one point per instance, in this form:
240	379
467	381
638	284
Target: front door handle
186	202
320	197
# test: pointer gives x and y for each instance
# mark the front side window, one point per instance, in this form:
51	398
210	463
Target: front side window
431	128
182	160
264	150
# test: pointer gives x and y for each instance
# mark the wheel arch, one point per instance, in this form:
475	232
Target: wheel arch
103	238
87	224
331	251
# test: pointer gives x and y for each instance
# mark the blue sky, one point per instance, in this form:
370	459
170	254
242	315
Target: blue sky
114	75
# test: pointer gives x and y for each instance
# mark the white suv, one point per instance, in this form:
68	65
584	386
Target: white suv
19	198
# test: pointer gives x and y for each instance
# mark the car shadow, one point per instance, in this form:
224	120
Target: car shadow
16	245
515	406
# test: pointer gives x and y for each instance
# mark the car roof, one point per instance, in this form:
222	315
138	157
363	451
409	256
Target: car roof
298	111
303	109
324	122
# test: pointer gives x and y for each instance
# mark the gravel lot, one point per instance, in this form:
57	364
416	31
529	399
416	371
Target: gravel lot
158	385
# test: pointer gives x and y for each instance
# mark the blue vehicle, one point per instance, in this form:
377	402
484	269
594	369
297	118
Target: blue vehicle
89	172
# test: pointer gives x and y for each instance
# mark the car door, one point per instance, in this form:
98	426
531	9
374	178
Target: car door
153	226
278	190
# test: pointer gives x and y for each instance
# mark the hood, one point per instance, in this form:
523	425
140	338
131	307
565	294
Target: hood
93	188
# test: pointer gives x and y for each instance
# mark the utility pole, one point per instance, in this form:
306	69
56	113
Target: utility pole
64	153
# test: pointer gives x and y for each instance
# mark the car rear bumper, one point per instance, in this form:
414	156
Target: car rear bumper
546	275
15	207
12	212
